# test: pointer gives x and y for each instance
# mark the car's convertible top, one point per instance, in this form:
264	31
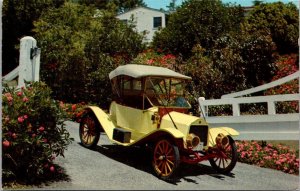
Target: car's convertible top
137	71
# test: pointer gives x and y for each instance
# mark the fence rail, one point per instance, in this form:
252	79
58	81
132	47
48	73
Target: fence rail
236	102
271	126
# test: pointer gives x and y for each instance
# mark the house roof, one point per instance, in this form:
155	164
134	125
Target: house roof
137	71
152	9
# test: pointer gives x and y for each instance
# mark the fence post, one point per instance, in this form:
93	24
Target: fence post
236	109
29	61
271	108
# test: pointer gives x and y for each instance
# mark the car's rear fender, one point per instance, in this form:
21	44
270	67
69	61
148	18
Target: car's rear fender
213	133
104	119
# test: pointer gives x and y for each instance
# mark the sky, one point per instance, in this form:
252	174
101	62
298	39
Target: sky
157	4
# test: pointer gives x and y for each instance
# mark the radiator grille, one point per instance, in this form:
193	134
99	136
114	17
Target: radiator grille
201	131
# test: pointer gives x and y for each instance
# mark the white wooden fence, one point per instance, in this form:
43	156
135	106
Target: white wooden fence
29	63
271	126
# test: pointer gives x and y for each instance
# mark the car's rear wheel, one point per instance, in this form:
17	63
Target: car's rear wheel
165	159
89	131
226	164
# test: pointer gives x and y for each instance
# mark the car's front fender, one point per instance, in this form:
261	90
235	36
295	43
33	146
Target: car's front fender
213	133
104	119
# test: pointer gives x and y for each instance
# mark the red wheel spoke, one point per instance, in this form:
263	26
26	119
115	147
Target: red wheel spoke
160	164
169	151
160	149
170	157
167	147
227	147
161	146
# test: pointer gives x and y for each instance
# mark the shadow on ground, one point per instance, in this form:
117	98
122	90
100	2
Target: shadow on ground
140	158
19	183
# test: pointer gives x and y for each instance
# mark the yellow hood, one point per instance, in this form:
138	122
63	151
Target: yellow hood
182	121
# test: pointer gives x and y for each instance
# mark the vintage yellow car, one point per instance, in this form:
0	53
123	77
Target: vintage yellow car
149	108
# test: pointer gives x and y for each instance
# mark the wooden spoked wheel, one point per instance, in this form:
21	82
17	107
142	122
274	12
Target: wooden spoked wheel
225	163
89	131
165	159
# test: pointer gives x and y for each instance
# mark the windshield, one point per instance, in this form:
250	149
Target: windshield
169	92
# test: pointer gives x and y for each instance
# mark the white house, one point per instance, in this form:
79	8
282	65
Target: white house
147	20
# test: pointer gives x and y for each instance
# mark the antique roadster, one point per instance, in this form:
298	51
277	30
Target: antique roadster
149	108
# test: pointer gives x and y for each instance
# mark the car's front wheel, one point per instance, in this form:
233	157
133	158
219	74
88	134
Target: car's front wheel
165	159
89	131
225	164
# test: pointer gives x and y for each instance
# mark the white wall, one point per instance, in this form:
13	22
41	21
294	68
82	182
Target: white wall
143	18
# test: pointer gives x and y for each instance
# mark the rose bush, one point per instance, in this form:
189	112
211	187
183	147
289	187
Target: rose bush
277	157
73	111
33	133
286	65
155	58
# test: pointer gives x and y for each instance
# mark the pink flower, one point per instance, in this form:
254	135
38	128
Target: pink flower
73	107
6	143
20	93
14	135
52	169
21	119
33	135
7	95
41	128
151	61
25	99
25	116
291	171
243	154
9	99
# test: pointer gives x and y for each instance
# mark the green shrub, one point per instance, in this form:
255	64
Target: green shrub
33	133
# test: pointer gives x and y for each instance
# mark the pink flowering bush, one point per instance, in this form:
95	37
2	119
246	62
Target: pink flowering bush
286	65
33	133
277	157
152	58
73	111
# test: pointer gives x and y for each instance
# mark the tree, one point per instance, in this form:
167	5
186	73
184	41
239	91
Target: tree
197	22
78	59
257	2
18	17
280	21
258	53
122	5
172	6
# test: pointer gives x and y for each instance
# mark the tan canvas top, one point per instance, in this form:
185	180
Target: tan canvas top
137	71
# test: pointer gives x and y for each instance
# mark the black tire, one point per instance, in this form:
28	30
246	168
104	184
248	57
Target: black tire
223	165
89	131
165	159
